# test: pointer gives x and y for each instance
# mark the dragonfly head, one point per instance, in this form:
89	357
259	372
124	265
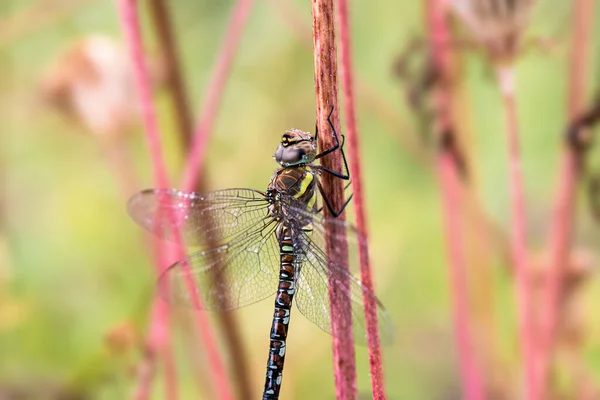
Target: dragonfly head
296	148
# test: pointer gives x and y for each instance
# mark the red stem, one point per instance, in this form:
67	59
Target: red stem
526	323
131	28
449	176
158	335
375	363
326	93
158	338
214	94
561	230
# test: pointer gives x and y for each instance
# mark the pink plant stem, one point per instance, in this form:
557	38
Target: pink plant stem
214	94
375	362
448	172
526	325
158	338
564	204
473	387
131	27
336	246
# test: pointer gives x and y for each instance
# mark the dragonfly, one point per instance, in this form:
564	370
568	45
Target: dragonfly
254	244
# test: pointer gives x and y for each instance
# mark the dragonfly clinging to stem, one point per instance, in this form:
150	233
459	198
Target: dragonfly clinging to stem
256	244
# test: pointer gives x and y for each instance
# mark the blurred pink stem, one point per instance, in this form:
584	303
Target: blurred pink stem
526	325
214	94
160	321
375	362
564	205
448	172
131	28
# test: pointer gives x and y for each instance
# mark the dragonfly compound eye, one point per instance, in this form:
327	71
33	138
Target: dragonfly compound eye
296	147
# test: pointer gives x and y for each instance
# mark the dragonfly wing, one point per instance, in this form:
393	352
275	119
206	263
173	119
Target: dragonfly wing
239	257
206	220
238	273
318	270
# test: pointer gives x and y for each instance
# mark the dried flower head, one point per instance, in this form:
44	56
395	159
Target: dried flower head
498	24
92	82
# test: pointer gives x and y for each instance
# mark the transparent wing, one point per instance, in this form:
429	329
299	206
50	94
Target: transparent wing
205	220
316	271
239	261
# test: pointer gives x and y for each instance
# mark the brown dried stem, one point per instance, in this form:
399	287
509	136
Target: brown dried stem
174	79
326	91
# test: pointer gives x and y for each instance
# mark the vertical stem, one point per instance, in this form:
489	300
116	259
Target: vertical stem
375	362
526	326
168	46
449	176
131	28
326	91
562	222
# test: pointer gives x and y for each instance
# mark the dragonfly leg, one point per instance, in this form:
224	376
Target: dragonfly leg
345	188
335	136
328	202
336	146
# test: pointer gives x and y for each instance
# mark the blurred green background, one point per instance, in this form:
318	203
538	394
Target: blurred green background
73	267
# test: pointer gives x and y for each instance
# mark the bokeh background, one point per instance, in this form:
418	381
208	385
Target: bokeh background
76	281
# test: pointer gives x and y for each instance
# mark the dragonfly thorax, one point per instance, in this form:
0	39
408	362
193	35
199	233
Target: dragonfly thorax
296	148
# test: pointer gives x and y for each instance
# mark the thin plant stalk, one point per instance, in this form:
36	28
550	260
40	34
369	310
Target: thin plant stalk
326	91
561	230
131	28
182	111
449	176
367	94
158	340
212	101
375	361
174	78
526	323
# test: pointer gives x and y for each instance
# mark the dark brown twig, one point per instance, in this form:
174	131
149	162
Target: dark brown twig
172	70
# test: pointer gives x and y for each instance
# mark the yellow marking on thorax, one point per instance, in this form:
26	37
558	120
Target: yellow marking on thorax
305	182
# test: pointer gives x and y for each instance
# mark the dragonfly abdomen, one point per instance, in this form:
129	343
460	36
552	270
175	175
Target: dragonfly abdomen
281	316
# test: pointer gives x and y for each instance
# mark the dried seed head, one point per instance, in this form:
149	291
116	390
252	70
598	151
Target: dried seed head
498	24
92	82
